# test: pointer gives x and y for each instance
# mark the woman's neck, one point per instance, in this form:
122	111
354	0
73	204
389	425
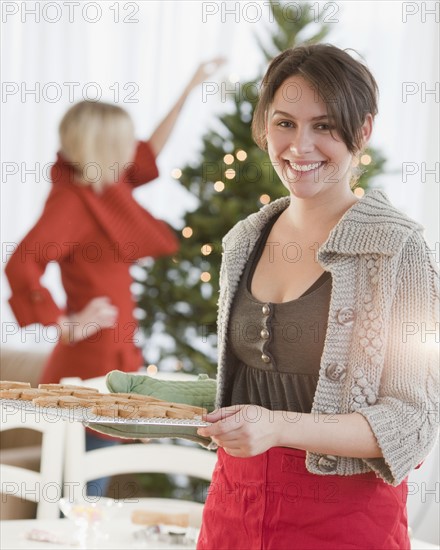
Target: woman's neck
316	214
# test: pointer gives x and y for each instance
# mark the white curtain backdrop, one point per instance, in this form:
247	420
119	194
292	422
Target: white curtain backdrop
154	57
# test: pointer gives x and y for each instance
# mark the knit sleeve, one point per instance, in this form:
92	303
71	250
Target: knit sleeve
51	239
143	168
405	417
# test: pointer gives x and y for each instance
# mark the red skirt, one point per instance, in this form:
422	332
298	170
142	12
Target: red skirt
272	502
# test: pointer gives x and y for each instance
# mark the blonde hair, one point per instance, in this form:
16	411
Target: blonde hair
98	138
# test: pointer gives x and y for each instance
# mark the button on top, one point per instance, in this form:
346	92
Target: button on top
346	316
327	463
265	309
336	372
265	334
265	358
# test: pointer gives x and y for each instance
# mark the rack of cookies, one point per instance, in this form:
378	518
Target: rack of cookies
89	406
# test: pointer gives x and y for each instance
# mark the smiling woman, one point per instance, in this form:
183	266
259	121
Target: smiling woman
315	437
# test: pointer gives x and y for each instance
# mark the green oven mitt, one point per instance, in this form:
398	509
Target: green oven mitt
200	393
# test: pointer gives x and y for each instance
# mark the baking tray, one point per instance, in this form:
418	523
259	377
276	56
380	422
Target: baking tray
84	415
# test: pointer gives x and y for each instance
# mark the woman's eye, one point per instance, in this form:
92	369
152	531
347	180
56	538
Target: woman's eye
285	124
325	127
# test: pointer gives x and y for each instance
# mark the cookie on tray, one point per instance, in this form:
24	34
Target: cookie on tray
128	410
56	387
179	413
46	401
10	384
13	393
110	410
105	399
31	393
183	406
152	411
70	402
87	394
137	397
62	391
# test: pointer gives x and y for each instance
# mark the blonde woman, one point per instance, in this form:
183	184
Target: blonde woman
94	229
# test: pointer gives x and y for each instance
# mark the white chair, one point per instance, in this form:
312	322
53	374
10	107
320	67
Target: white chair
82	466
45	486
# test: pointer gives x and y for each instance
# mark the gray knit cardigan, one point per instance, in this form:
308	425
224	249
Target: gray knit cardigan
384	303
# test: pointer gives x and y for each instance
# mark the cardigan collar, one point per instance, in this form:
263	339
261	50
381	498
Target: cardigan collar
372	225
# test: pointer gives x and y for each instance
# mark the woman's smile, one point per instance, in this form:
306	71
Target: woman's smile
297	169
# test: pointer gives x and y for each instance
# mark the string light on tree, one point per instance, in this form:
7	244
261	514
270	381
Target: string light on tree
230	174
152	370
365	160
359	192
206	249
241	155
176	173
264	199
187	232
219	186
205	277
228	159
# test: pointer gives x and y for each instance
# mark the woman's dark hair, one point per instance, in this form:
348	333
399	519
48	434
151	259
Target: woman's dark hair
346	86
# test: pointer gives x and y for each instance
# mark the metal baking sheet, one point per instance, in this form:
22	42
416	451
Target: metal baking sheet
27	409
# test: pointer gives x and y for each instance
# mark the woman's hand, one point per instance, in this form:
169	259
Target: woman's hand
161	134
243	430
98	314
204	70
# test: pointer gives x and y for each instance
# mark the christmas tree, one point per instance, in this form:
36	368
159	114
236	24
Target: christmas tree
231	179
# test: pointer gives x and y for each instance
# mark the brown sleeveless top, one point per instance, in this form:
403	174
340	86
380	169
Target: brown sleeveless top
278	345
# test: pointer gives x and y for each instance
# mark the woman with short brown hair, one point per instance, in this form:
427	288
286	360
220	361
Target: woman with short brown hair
326	397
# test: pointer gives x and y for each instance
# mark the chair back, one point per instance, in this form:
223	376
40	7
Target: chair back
44	487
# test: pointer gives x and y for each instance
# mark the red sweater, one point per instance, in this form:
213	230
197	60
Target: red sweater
94	239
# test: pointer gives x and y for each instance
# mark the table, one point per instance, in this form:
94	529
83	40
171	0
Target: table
120	531
120	536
